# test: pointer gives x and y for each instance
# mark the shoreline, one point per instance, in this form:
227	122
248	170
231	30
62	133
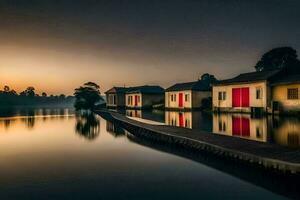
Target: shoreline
259	154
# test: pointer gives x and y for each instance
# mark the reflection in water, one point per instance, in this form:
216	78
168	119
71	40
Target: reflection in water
29	115
283	131
114	129
286	131
99	169
283	184
191	119
87	125
153	115
240	125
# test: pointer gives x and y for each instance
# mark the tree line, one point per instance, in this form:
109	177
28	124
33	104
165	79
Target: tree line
9	97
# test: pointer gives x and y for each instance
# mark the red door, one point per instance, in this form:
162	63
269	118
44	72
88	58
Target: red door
245	97
135	100
236	97
180	99
240	97
181	120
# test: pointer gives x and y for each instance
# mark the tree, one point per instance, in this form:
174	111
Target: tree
278	58
6	89
87	96
44	94
29	92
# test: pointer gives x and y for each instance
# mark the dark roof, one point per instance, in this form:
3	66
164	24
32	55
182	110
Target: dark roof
146	89
249	77
196	86
118	90
287	80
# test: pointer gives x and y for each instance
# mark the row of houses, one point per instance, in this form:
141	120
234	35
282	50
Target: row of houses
178	96
271	91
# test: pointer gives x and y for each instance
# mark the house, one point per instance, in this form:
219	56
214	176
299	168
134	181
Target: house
115	97
143	97
187	96
285	93
248	92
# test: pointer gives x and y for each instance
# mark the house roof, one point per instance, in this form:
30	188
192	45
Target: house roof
249	77
196	86
290	79
118	90
146	89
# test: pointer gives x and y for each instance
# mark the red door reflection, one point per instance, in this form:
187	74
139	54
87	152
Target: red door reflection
181	120
240	126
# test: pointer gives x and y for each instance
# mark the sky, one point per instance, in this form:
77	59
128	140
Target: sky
57	45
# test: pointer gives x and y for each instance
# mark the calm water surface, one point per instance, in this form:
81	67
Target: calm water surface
58	154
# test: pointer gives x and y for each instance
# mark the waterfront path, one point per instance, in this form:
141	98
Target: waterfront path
264	154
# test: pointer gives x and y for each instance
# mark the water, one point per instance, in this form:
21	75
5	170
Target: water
283	131
59	154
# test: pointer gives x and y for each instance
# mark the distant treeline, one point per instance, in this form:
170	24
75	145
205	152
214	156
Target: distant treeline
10	97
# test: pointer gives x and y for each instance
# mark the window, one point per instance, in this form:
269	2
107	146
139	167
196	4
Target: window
222	95
187	97
114	99
174	97
259	93
138	99
171	97
128	100
292	93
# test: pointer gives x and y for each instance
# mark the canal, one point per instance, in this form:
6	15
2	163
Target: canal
61	154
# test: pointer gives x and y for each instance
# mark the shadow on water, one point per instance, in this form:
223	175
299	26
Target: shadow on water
87	125
276	182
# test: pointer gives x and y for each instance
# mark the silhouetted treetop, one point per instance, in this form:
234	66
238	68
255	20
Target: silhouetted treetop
92	84
87	96
277	58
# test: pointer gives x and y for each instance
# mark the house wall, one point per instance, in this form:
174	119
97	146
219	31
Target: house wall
149	99
175	102
132	103
146	100
279	93
119	100
253	102
197	97
194	99
109	100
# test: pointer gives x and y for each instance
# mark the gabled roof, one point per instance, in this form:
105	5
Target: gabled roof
146	89
249	77
195	86
289	79
118	90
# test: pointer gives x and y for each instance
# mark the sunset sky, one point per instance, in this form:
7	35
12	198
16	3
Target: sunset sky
56	46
